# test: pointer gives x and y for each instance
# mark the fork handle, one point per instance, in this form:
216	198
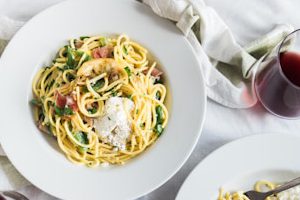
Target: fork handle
286	186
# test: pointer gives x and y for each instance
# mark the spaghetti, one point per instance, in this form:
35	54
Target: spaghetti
260	186
72	95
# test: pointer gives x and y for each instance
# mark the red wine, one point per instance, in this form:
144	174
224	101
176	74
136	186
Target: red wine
277	85
290	65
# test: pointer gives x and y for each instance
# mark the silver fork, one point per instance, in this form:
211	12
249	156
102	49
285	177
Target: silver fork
254	195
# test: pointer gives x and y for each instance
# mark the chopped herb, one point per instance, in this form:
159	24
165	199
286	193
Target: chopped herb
158	81
83	37
87	58
129	96
127	70
63	111
82	138
65	67
158	95
59	111
68	111
57	84
109	118
70	58
79	53
125	50
158	129
103	41
36	102
92	110
65	51
137	111
82	149
114	93
71	77
159	114
142	125
159	120
99	84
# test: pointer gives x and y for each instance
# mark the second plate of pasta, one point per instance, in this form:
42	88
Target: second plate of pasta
249	163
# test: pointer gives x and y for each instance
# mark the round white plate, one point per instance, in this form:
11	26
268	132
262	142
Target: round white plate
238	165
37	156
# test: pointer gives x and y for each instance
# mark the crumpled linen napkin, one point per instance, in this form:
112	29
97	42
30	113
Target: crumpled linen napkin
229	69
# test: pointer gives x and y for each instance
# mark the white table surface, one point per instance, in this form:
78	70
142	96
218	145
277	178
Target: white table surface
248	20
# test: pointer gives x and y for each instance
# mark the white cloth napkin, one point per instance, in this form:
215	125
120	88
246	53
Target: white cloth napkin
228	68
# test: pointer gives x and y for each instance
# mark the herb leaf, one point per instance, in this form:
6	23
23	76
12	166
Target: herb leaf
159	120
103	41
125	50
59	111
71	77
114	93
36	102
70	58
87	58
159	113
63	111
83	37
158	95
158	129
128	71
82	138
99	84
92	110
68	111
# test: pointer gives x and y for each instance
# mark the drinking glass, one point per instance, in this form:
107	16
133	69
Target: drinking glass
277	85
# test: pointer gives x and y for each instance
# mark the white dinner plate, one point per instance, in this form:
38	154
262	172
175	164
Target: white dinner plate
238	165
37	156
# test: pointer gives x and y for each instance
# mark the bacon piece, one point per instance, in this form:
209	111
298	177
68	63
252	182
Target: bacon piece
156	73
60	100
102	52
69	100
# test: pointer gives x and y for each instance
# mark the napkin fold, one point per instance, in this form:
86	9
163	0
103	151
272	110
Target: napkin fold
229	70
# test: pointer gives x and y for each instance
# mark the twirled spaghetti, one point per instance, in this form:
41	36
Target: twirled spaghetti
71	96
260	186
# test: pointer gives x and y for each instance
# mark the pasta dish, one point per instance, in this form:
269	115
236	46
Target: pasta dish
262	186
102	98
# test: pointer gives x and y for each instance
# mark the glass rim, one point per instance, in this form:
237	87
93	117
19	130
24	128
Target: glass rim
279	63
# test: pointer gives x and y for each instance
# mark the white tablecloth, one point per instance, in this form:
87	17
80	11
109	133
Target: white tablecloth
248	20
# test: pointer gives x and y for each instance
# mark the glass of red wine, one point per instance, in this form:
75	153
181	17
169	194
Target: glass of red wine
278	83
